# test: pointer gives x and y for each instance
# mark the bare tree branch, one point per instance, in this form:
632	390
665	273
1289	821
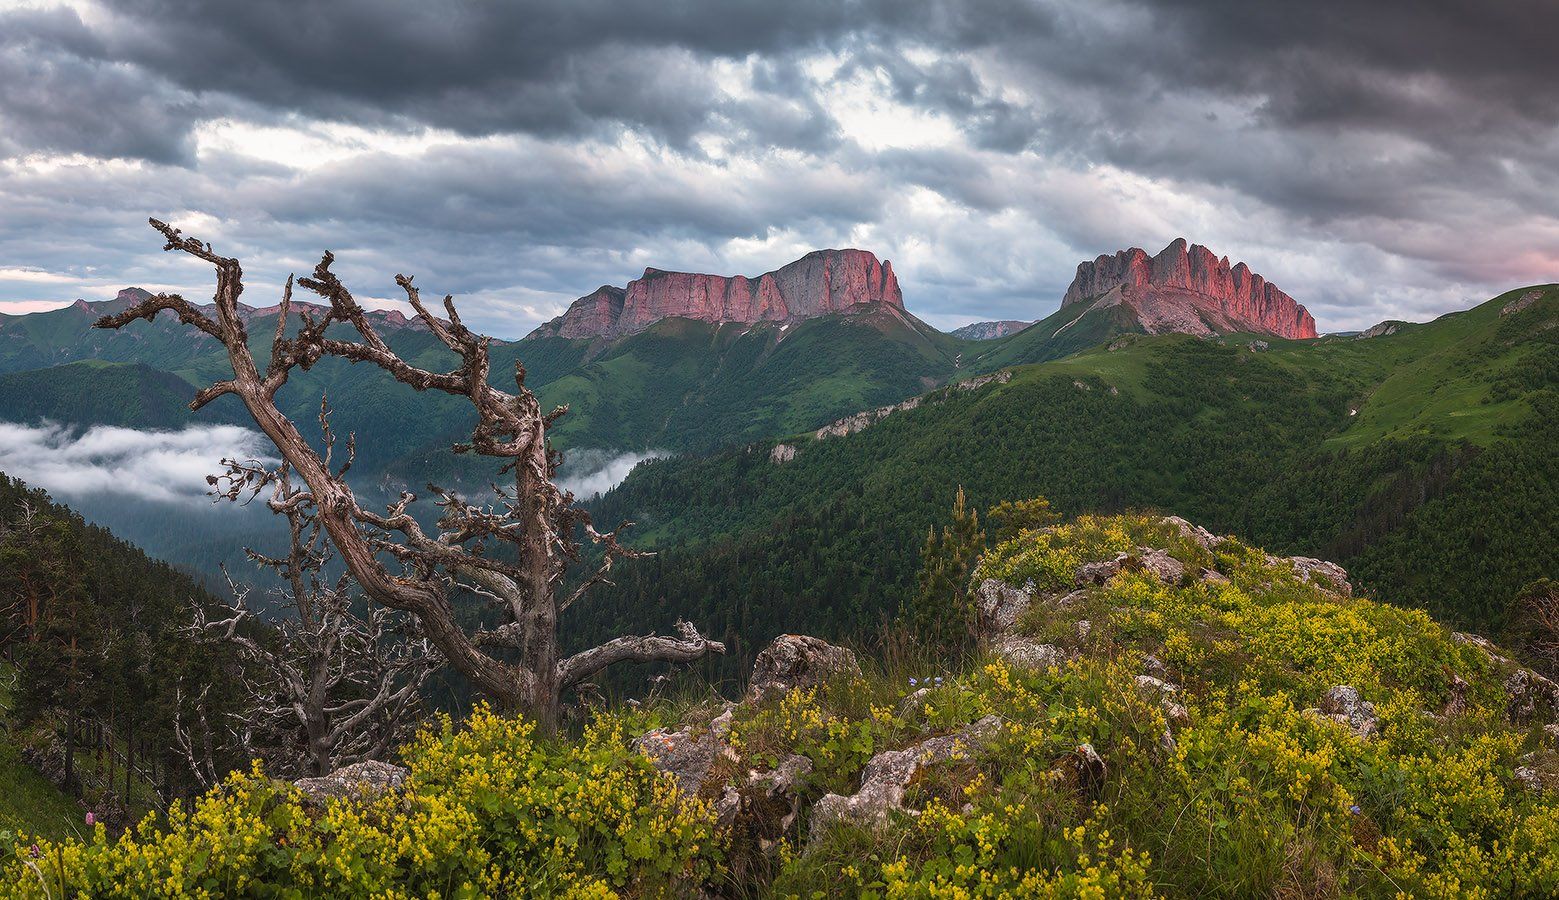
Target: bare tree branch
513	548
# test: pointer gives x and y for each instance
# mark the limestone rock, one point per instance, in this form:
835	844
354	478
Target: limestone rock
363	780
796	661
1164	694
1533	697
989	331
1027	654
1088	768
1187	289
1380	329
999	605
1343	704
689	753
822	282
1521	302
1206	539
782	453
1152	560
1456	704
1332	577
888	774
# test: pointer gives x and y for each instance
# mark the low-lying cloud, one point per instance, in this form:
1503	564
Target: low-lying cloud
590	473
164	466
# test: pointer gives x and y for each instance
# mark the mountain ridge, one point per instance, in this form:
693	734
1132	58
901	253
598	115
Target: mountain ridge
1188	289
821	282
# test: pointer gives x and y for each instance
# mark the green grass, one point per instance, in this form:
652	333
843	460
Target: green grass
28	802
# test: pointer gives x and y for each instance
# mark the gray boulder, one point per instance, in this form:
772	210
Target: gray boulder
889	773
1325	575
1027	654
1342	704
689	753
359	781
797	661
1000	605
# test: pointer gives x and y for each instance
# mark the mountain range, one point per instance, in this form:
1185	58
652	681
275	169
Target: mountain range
673	362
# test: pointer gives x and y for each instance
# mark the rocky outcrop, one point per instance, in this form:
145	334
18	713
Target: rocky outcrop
795	662
863	420
1343	705
1151	560
1379	329
1522	302
822	282
688	753
989	331
1188	289
889	773
358	781
1328	576
999	605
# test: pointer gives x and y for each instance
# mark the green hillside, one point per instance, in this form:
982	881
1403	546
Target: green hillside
684	384
133	395
1061	333
93	654
1422	460
1203	720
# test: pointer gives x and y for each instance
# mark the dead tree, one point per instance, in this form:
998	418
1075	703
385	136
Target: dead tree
342	687
513	549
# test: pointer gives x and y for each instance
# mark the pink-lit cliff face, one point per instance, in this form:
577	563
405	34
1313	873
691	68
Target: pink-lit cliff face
1189	289
822	282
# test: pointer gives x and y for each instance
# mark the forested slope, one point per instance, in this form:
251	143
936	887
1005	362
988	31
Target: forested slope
1422	460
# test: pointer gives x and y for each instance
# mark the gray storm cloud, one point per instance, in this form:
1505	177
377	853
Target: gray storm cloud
1394	159
165	466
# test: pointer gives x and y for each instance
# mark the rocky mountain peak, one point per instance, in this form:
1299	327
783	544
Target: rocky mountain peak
1187	288
822	282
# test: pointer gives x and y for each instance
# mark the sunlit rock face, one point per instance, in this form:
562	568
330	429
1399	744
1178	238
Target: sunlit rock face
1188	289
822	282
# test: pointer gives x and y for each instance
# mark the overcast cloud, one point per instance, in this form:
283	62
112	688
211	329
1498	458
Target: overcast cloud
1393	159
166	466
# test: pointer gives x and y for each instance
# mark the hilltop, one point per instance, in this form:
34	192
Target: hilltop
1153	710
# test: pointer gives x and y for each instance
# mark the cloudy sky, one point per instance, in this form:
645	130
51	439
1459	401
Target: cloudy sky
1391	159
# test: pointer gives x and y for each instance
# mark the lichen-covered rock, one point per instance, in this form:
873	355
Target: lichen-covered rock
1325	575
797	661
999	605
363	780
1027	654
888	774
782	786
1196	533
1456	703
689	753
1152	560
1533	697
1342	704
1165	695
1087	769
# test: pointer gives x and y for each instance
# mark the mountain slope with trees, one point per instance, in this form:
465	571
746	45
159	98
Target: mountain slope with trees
1422	460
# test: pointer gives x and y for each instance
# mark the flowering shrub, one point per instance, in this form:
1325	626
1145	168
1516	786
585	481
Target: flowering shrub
1250	793
487	810
1216	777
